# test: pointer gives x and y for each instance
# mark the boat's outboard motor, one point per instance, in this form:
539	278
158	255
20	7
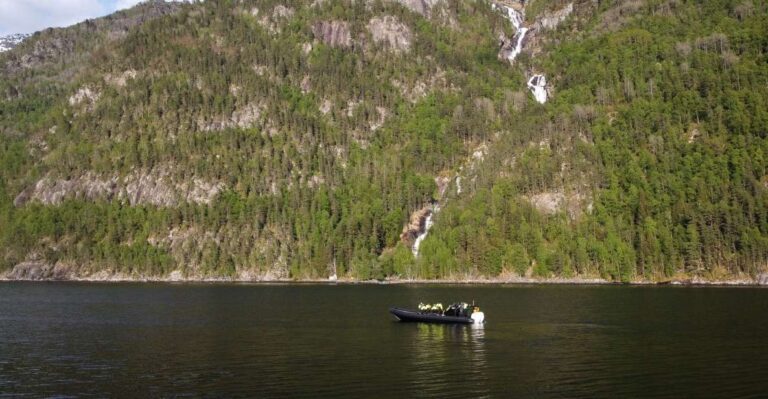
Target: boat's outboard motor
477	316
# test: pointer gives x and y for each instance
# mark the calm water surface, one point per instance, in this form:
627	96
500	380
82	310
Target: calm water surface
159	340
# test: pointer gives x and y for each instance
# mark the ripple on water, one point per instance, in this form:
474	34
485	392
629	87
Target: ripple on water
339	341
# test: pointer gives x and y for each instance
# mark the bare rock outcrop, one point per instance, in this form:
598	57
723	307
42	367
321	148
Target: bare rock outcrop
415	91
40	270
120	79
389	32
243	118
423	7
155	187
548	202
282	12
574	204
551	19
272	22
333	33
85	96
416	225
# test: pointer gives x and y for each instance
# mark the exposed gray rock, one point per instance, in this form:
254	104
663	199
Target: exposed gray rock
272	22
550	20
382	113
120	79
423	7
508	49
333	33
306	84
40	270
762	279
326	106
442	184
574	203
84	95
416	225
391	33
282	12
548	202
415	91
243	117
156	187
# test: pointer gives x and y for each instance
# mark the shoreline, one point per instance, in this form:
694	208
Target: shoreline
691	282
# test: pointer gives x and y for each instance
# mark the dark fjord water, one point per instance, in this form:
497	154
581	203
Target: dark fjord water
150	340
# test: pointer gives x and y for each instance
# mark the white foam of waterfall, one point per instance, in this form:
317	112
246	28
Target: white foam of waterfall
537	83
458	184
427	225
538	86
520	31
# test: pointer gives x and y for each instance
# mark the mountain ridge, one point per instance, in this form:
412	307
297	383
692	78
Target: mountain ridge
267	140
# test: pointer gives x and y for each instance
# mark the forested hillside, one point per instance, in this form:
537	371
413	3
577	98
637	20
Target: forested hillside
398	139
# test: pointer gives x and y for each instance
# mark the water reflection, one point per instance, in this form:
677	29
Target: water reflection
449	357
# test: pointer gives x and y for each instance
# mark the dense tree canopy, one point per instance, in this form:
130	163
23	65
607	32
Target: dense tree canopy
647	163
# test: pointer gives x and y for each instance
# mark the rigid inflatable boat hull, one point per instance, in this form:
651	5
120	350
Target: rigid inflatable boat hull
414	316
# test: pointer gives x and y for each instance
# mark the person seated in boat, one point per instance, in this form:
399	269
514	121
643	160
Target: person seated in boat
427	308
438	308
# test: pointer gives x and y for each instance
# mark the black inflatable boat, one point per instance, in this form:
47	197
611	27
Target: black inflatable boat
453	315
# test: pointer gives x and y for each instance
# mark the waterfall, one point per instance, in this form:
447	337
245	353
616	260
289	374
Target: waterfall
520	31
427	225
538	86
537	83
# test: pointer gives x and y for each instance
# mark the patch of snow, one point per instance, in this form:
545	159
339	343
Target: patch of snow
9	42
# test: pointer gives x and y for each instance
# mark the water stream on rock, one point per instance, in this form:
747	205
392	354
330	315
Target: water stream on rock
427	225
520	31
538	86
537	83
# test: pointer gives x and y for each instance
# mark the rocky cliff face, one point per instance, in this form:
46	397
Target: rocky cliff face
416	225
35	270
391	33
551	19
156	187
333	33
423	7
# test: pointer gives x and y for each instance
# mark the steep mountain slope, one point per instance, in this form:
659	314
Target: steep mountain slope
282	139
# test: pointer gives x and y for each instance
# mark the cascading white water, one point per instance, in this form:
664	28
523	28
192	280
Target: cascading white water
537	83
520	31
538	86
427	225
